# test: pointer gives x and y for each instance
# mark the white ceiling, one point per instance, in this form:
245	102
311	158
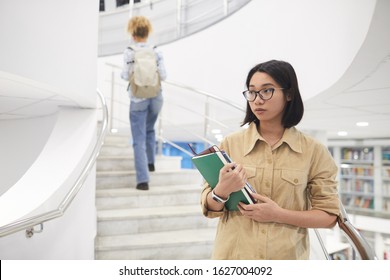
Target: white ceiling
363	92
367	101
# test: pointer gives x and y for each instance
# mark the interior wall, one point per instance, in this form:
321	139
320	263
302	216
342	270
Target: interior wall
70	237
319	38
17	153
52	42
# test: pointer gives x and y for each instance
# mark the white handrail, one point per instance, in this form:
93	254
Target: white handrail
28	223
354	237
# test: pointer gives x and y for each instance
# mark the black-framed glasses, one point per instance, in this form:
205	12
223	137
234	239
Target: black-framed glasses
264	94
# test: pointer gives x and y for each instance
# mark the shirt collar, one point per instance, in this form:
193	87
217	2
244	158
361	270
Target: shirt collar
291	137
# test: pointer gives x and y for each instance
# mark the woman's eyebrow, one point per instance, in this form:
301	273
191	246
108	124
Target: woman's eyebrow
263	85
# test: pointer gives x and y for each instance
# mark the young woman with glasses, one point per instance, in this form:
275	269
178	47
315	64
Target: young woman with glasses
292	173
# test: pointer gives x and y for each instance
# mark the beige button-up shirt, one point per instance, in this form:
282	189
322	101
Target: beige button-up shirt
300	167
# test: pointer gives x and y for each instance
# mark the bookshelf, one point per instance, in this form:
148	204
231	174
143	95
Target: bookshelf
386	179
340	251
386	251
364	178
364	188
357	188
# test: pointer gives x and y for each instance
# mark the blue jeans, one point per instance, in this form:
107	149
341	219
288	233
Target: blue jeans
143	116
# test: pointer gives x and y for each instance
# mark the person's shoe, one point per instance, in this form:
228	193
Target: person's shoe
142	186
151	167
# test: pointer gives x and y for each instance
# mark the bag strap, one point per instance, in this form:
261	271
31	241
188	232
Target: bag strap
133	47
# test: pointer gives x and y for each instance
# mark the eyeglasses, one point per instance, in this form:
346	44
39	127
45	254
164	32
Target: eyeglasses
264	94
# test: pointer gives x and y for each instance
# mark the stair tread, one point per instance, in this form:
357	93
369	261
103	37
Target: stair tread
131	157
153	212
124	172
160	239
150	212
157	190
127	222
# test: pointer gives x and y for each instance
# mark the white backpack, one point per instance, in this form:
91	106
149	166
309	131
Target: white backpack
145	79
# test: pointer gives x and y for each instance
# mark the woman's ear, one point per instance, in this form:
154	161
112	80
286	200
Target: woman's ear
288	97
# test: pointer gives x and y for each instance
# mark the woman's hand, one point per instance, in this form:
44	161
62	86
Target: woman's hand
232	178
265	210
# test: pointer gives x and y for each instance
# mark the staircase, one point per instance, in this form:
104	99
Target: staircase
164	222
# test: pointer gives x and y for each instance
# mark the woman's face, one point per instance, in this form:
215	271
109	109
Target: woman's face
270	110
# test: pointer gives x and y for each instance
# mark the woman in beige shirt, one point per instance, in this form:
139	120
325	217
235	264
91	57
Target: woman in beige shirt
292	173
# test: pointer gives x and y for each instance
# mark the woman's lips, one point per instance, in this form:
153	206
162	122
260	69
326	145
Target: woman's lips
259	110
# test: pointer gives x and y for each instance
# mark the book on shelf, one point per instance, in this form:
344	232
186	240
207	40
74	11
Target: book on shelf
209	163
367	203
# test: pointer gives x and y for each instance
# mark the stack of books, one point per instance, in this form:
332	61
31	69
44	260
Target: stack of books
209	163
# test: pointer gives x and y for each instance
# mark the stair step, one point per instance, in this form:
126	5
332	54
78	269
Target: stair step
175	245
156	196
126	162
150	212
116	150
153	219
126	179
164	222
124	139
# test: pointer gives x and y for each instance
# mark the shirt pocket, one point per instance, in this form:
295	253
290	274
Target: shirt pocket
250	171
290	191
296	178
253	176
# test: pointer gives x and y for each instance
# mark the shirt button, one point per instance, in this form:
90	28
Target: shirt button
295	180
267	185
269	161
263	231
262	257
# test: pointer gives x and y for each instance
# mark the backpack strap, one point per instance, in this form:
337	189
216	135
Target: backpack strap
134	48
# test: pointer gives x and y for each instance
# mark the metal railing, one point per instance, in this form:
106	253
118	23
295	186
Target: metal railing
355	238
28	224
171	20
115	104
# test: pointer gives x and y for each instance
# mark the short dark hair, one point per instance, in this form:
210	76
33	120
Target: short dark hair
284	74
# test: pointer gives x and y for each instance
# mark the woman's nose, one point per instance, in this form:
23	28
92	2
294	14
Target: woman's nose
258	99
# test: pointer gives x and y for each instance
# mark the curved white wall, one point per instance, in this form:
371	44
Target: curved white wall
53	44
70	237
319	38
17	154
45	184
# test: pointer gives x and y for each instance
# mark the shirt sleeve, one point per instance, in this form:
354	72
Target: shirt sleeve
127	64
323	185
206	212
161	65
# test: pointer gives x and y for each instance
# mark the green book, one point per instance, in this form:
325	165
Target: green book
210	164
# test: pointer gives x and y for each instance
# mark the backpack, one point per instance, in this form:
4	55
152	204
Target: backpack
144	80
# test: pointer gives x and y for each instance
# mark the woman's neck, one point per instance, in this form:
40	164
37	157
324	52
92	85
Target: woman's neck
139	40
271	133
